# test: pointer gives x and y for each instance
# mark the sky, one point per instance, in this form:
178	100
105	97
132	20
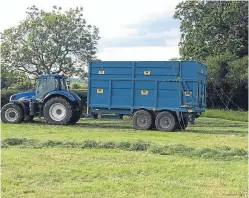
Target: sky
130	30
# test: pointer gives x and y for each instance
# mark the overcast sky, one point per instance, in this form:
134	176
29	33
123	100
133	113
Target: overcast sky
129	29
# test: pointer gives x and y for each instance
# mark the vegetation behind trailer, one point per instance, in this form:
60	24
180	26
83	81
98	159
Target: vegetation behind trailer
161	94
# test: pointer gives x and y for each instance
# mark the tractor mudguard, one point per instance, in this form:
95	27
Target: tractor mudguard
23	106
70	96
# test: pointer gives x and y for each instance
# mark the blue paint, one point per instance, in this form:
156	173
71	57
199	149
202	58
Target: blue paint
71	96
25	96
123	82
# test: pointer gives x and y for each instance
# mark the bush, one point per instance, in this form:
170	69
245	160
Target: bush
75	86
5	96
82	93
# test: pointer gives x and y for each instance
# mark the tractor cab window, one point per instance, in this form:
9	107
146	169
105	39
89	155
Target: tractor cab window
60	84
48	84
41	88
64	84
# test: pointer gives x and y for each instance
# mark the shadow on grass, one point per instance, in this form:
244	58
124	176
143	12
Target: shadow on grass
91	125
226	132
220	125
102	125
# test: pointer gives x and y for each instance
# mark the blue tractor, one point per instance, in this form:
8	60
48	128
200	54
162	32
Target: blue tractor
51	100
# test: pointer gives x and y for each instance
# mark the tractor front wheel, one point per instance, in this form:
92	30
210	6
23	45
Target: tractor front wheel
58	111
12	113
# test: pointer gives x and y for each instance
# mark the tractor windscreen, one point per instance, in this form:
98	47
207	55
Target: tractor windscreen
63	83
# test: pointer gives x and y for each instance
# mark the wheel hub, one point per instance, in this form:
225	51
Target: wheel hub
142	120
11	114
57	112
165	122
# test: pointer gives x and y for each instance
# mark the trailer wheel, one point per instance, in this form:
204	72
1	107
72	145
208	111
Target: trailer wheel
12	113
165	121
142	120
58	111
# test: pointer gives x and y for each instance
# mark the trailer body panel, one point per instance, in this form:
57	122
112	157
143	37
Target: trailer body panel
126	86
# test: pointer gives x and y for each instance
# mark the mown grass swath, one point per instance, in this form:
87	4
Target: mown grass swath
214	153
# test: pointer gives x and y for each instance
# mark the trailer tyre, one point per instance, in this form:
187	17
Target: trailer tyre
142	120
58	111
12	113
165	121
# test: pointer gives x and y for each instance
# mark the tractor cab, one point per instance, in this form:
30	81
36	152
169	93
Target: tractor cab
50	82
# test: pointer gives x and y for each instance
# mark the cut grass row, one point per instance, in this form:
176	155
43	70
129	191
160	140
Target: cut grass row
219	153
225	114
207	133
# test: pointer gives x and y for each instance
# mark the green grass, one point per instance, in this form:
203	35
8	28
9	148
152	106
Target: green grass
229	115
208	132
107	158
60	172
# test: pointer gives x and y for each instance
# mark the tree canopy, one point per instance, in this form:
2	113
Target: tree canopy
47	42
216	33
212	27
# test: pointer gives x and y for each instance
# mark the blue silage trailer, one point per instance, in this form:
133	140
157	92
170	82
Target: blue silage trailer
158	94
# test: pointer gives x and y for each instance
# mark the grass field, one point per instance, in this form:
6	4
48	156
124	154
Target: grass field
107	158
229	115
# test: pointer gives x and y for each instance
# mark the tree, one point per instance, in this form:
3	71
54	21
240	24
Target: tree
216	33
47	42
212	27
15	80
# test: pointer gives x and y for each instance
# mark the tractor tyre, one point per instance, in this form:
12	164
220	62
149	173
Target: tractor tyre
58	111
12	113
76	117
165	121
142	120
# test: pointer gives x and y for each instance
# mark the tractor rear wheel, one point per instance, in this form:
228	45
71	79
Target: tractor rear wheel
76	117
142	120
58	111
12	113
